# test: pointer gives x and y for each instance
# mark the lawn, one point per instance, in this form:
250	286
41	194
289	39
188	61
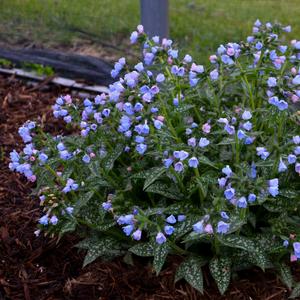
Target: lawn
199	26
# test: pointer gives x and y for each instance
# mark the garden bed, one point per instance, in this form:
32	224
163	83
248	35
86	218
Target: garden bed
45	268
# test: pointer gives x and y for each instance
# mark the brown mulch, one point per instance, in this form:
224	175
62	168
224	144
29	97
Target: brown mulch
41	268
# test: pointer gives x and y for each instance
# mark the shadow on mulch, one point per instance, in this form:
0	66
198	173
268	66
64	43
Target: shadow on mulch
41	269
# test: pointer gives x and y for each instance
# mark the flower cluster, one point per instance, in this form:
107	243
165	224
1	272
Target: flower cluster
177	155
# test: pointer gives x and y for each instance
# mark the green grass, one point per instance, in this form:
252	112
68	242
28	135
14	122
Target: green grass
198	26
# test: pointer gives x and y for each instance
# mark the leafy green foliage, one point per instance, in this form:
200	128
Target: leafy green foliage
220	269
180	158
191	271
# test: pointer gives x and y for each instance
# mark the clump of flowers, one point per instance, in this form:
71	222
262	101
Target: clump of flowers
180	158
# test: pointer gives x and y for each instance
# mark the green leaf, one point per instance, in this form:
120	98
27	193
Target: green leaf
296	291
191	271
160	255
98	247
239	242
205	161
68	226
285	274
143	249
255	253
258	258
220	269
154	175
164	190
83	199
112	157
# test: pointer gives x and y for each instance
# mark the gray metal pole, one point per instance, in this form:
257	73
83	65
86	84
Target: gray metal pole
155	17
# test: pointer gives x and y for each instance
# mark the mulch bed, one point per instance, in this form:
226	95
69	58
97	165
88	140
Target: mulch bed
41	268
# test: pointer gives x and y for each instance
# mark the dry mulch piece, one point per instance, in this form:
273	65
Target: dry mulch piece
42	268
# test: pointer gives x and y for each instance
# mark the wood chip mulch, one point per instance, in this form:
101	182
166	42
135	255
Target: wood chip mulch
41	268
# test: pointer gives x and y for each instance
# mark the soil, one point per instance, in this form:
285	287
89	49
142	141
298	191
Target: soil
41	268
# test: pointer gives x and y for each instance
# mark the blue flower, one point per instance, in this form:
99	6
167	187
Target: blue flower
222	182
178	167
182	155
187	59
296	80
246	115
158	124
128	229
148	58
229	193
168	162
222	227
272	81
258	45
297	150
273	187
253	170
224	215
296	247
139	67
173	53
43	157
214	75
44	220
281	167
198	227
160	78
171	219
169	229
106	205
181	218
137	235
141	148
193	162
160	238
86	158
53	220
262	152
230	129
242	202
227	171
203	142
241	134
69	210
285	243
247	126
133	37
251	198
126	220
292	158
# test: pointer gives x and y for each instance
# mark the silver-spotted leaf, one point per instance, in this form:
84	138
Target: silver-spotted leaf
296	292
143	249
160	255
191	271
220	269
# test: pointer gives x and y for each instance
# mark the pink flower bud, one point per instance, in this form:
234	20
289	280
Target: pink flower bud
209	229
206	128
140	29
32	158
160	118
213	58
68	99
32	178
294	70
295	98
59	173
230	51
170	60
92	155
293	42
293	258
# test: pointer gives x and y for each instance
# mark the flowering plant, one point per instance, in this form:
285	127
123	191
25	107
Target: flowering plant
180	158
